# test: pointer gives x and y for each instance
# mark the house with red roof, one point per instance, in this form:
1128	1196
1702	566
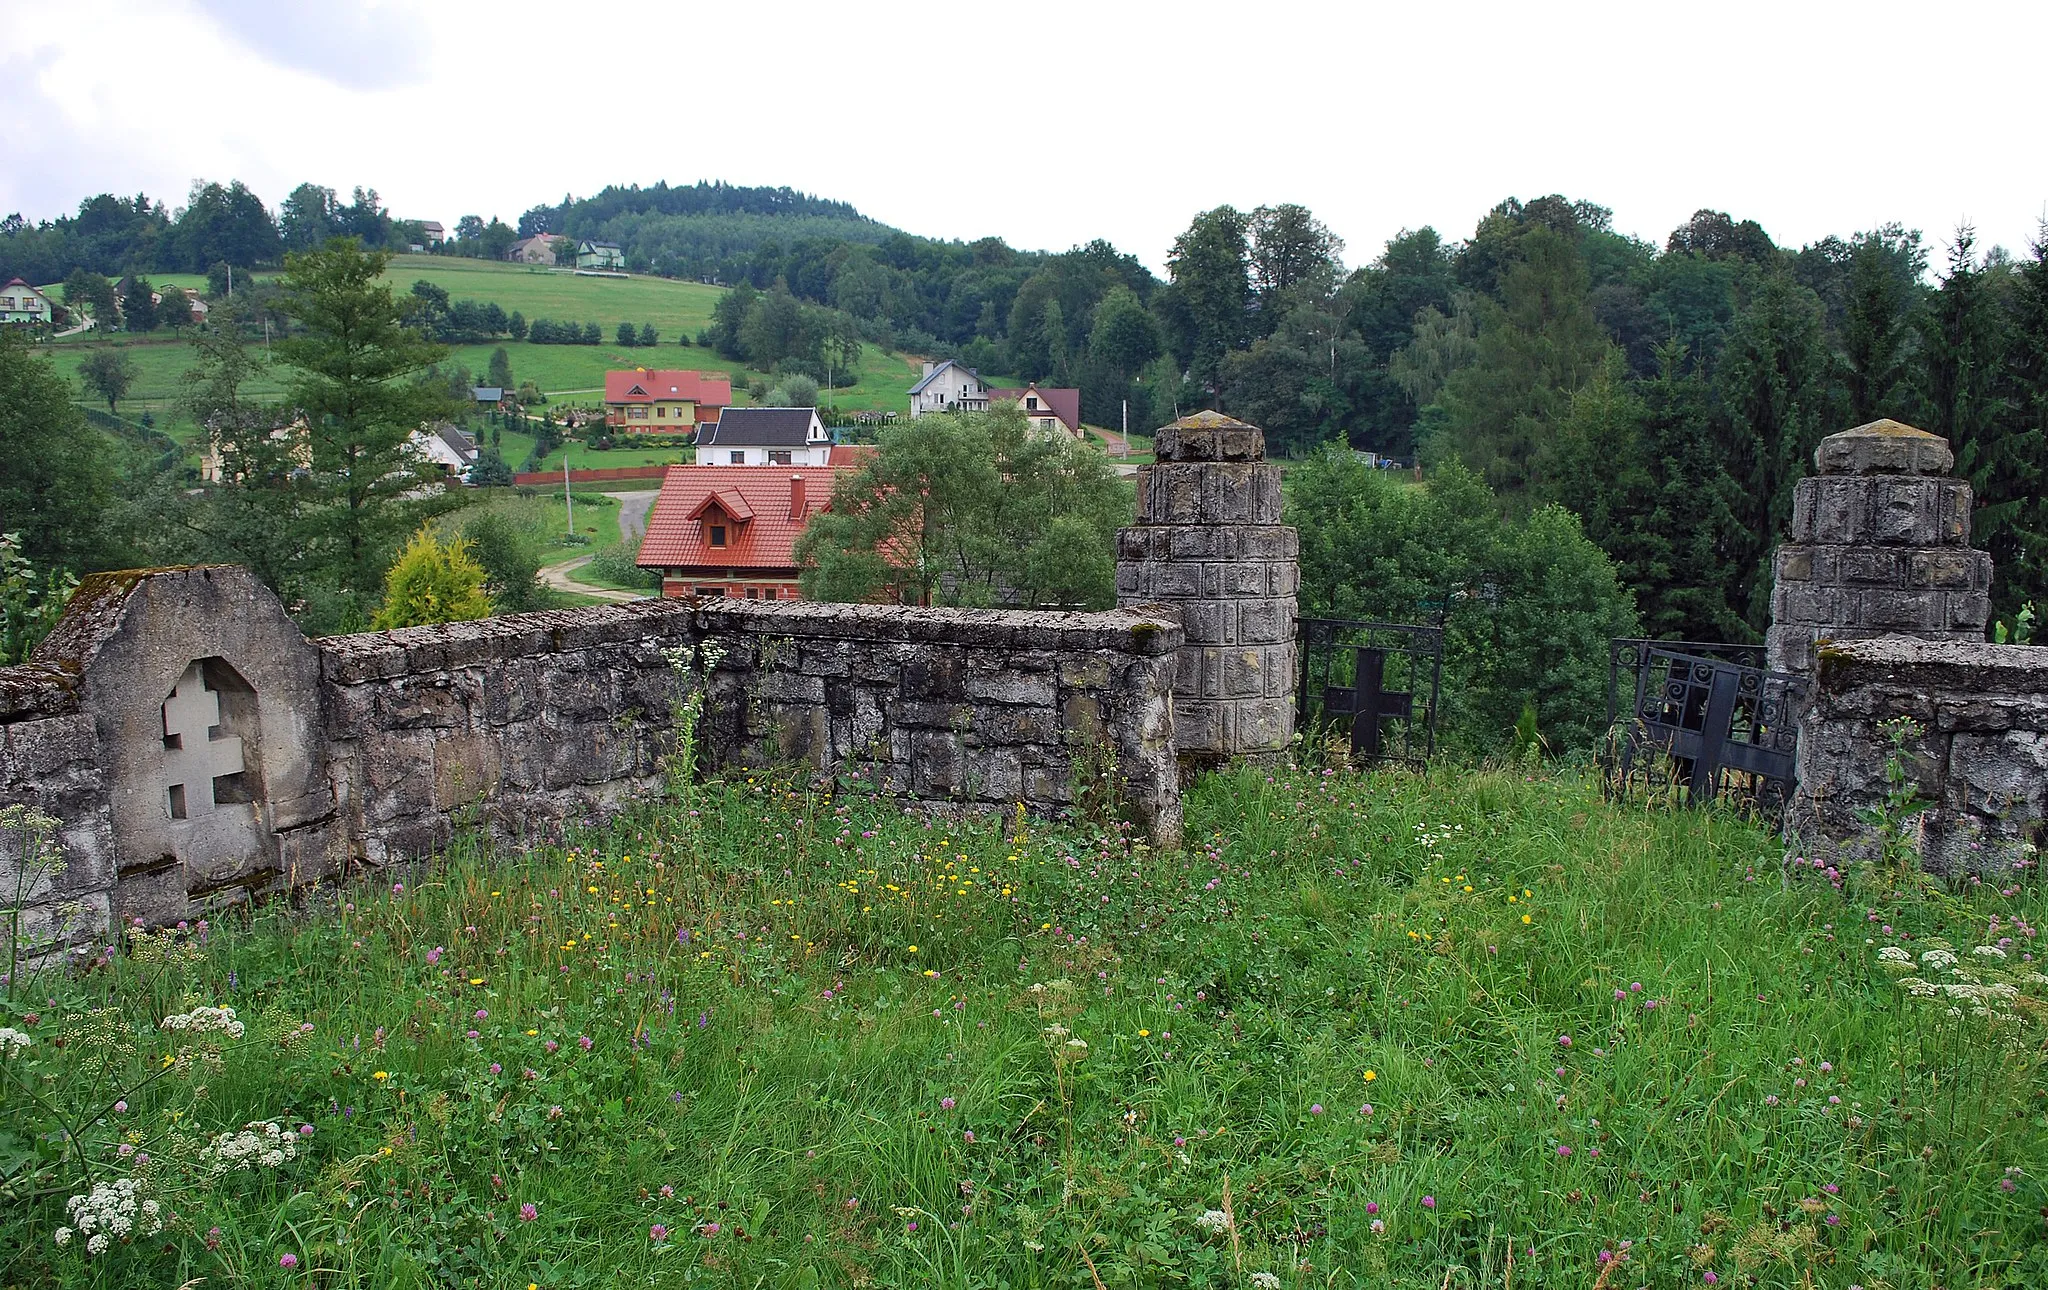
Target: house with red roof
1047	410
731	531
644	401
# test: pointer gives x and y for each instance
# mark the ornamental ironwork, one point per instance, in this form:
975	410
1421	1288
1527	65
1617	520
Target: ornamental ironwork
1375	683
1705	715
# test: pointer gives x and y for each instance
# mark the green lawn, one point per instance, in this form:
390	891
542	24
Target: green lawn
569	374
1365	1031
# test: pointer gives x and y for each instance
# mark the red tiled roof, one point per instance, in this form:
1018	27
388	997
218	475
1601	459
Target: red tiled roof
851	455
643	386
1064	404
676	528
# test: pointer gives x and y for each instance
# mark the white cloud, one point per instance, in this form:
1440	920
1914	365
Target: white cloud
1083	120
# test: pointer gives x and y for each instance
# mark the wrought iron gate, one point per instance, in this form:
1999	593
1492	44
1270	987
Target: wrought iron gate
1726	727
1378	682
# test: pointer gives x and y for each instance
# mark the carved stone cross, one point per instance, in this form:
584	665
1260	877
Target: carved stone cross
1368	702
196	752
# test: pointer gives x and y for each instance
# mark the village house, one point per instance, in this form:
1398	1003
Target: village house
432	232
538	249
22	303
599	255
730	531
643	401
446	447
765	437
1047	410
947	386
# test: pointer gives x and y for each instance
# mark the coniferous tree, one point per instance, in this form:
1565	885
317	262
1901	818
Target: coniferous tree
353	371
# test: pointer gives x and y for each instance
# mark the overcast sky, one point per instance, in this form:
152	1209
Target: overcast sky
1048	123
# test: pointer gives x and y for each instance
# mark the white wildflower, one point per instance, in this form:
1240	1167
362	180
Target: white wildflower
1894	954
12	1041
201	1021
1935	960
259	1143
1213	1221
110	1211
1988	952
1265	1281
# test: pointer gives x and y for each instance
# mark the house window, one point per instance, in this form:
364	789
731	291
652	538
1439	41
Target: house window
752	594
768	594
1031	403
718	535
718	592
778	459
660	414
637	412
739	458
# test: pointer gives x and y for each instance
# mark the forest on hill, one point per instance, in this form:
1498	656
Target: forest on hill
1669	395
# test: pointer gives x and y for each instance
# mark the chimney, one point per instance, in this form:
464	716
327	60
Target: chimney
796	497
929	367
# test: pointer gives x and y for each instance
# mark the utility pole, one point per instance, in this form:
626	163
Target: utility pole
568	498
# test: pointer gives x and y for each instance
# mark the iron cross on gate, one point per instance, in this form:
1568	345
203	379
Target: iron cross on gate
1368	702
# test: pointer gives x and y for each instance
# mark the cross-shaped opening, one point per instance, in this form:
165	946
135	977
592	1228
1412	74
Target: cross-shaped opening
206	756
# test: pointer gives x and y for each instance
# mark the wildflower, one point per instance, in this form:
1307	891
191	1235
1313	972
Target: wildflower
1379	1227
1317	1109
287	1261
13	1041
1372	1207
946	1104
1564	1041
657	1233
1370	1076
1265	1281
967	1136
380	1075
1429	1202
584	1042
528	1212
1213	1221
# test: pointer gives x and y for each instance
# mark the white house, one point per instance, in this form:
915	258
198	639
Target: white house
948	387
599	255
445	446
765	437
22	303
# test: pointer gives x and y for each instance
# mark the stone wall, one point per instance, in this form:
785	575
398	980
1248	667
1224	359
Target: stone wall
1209	544
198	750
1980	758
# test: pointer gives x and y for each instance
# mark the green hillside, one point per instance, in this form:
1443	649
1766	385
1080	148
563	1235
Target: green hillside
572	374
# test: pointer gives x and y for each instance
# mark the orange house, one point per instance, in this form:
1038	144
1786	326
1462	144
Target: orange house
731	530
643	401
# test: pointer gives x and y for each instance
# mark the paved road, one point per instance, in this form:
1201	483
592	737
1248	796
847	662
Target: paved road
633	508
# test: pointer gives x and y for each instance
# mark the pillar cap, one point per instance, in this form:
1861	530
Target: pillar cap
1210	436
1884	447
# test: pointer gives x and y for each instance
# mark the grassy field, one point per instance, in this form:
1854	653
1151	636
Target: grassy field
569	374
1482	1030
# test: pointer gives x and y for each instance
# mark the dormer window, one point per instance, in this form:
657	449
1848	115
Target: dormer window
717	535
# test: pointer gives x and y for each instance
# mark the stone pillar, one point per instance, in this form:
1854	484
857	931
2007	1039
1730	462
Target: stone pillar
1880	546
1209	543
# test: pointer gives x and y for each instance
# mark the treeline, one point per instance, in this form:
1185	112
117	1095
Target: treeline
219	225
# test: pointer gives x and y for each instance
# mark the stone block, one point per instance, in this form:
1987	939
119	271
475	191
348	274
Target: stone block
1265	724
1209	436
1906	512
1793	564
1946	568
1088	671
1969	611
1265	619
1901	611
1243	672
1883	447
1873	566
1028	689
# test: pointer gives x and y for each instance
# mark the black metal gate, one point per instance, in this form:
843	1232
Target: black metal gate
1720	723
1376	682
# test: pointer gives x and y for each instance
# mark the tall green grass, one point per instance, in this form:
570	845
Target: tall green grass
1453	1029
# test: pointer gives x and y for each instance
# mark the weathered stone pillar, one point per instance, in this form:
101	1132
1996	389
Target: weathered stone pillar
1880	546
1209	543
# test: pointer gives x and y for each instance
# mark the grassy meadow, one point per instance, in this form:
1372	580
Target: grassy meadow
568	374
1473	1029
